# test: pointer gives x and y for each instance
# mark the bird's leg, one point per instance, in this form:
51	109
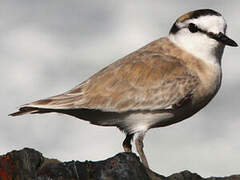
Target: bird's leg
127	143
139	147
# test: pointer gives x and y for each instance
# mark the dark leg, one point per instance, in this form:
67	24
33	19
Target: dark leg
139	147
127	143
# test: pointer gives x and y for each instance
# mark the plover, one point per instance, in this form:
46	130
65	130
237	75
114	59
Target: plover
162	83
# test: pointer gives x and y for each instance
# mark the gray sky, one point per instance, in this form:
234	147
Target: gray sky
48	47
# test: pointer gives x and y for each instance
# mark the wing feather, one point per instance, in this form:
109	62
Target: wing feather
147	79
157	82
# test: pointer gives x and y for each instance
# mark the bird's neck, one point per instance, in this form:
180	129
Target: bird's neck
203	48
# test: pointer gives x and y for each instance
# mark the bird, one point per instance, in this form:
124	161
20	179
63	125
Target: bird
163	83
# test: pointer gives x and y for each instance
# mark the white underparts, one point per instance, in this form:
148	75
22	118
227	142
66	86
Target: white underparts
141	122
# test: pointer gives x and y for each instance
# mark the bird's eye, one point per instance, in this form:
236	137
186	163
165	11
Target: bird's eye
192	28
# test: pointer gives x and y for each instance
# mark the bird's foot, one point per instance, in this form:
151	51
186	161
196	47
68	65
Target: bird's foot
127	143
139	147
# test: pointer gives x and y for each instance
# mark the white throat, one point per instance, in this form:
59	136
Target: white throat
199	45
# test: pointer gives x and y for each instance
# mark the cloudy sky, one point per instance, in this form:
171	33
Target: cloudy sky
48	47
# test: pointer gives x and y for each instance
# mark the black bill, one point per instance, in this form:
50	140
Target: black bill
224	39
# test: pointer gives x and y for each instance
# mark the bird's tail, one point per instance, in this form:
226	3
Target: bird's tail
52	104
29	110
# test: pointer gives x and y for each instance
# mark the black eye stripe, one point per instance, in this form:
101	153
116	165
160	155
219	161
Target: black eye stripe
174	29
209	34
193	28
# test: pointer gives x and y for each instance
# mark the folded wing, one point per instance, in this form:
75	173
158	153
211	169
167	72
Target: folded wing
142	81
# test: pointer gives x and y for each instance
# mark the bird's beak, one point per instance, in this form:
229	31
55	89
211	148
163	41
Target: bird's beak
226	40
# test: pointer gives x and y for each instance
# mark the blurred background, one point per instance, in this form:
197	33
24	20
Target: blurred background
48	47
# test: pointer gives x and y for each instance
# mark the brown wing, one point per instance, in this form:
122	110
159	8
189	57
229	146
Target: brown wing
147	79
150	81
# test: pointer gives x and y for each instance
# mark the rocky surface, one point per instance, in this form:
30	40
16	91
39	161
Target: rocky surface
30	164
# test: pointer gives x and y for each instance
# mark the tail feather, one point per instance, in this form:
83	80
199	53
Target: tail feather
25	110
44	106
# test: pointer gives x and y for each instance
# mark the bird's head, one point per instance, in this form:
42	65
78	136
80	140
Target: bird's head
202	33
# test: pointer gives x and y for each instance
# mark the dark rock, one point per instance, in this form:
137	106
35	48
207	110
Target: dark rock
122	166
29	164
185	175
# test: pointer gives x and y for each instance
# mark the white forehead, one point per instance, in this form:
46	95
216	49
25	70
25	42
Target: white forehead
209	23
